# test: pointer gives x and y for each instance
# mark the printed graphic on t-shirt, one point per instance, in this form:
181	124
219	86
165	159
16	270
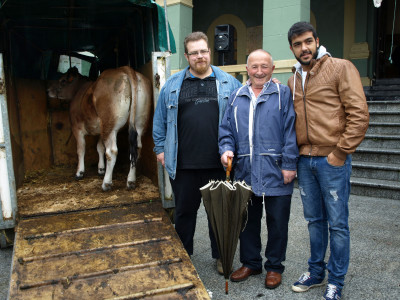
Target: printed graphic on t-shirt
198	114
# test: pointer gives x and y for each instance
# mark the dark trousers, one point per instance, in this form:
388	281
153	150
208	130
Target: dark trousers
186	187
277	210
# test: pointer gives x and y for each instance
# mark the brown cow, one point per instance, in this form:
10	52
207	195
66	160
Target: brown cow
102	108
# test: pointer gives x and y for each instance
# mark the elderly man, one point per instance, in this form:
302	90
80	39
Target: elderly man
258	132
185	132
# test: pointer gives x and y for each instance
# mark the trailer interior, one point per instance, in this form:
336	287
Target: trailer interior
72	240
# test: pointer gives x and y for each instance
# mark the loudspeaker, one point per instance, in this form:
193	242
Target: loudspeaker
223	39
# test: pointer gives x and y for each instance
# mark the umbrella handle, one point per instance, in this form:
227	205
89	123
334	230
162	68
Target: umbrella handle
228	169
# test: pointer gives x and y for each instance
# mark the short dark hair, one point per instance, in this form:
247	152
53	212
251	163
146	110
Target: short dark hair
299	28
194	37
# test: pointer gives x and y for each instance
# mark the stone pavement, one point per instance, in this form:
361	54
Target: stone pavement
374	271
5	269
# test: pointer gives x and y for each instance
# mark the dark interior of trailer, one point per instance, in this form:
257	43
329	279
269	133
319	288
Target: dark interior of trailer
42	39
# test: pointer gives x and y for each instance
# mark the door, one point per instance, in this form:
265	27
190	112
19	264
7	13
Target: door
388	41
161	72
8	202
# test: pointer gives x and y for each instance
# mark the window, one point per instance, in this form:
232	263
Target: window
66	62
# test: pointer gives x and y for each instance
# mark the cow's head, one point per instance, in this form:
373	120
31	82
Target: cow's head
67	86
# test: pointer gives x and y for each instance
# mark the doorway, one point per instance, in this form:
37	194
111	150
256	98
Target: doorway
388	41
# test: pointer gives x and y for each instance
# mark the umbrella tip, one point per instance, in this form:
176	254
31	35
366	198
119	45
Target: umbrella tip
226	286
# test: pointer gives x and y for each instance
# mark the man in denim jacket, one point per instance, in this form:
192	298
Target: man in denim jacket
258	131
185	132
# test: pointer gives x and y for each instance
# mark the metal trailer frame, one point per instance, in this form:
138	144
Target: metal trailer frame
8	198
161	72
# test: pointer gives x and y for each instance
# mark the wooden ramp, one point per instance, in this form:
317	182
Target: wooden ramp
125	250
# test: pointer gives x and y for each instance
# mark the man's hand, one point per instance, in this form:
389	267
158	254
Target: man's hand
334	161
160	158
288	176
274	80
224	158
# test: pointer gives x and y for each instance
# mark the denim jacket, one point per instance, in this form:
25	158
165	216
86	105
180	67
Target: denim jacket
165	130
268	146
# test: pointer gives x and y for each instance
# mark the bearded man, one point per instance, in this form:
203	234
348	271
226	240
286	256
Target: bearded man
185	132
331	121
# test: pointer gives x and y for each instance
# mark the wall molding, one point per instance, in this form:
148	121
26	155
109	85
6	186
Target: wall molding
281	66
188	3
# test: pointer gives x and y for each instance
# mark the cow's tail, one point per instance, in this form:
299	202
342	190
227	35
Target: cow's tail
133	135
133	150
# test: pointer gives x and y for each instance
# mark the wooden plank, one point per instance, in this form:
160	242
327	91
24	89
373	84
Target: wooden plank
31	95
98	258
76	242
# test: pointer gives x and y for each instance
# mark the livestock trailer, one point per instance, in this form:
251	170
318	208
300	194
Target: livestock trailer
73	241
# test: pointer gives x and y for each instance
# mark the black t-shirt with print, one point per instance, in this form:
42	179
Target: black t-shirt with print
198	124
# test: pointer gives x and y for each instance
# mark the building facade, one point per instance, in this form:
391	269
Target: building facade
351	29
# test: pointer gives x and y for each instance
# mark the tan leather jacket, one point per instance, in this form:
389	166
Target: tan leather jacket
332	112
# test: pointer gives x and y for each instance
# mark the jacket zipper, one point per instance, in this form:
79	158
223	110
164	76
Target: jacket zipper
253	117
235	115
305	108
276	162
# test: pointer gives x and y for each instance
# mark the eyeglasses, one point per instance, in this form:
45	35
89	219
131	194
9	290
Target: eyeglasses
197	53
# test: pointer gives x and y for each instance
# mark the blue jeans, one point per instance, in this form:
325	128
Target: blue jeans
325	191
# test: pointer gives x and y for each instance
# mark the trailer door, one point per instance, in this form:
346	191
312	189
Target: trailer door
161	72
8	202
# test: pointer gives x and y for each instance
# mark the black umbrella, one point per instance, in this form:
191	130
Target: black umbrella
226	206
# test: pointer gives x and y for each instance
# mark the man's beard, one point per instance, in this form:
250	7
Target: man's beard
306	63
200	69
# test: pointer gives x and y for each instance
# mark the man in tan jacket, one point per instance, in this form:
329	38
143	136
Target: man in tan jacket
331	121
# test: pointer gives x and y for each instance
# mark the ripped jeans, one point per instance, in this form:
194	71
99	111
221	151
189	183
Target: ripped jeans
325	191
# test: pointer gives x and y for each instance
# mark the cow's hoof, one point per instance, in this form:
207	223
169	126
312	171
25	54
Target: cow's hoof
131	185
106	187
101	171
79	176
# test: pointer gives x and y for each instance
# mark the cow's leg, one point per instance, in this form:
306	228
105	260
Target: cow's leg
131	182
101	167
139	142
110	144
80	149
142	114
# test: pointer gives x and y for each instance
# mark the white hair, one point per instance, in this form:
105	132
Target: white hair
259	50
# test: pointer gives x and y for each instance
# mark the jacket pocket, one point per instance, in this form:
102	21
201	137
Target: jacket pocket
271	170
242	168
171	112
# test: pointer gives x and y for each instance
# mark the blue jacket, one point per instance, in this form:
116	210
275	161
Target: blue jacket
165	130
274	138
